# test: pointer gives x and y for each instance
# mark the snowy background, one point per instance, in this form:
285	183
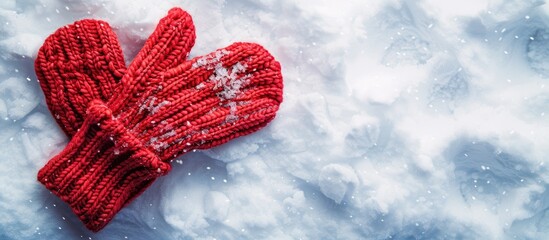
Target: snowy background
401	119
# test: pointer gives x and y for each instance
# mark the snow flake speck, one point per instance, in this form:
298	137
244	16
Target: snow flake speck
232	117
209	61
149	105
229	80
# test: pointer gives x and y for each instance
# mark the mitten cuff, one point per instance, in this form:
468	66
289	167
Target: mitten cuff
103	167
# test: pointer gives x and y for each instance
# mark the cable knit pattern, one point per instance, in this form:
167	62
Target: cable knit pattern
163	106
78	63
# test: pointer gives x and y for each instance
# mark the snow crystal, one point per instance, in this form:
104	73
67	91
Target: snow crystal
200	86
211	60
149	105
229	81
159	143
171	133
232	117
225	78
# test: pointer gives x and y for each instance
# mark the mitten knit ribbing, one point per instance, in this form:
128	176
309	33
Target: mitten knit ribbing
101	169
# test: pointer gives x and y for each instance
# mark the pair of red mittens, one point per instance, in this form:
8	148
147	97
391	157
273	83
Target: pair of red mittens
126	124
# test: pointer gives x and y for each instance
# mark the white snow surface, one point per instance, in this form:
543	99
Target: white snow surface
401	120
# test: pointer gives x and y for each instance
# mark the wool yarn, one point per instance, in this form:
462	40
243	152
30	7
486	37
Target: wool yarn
163	106
76	64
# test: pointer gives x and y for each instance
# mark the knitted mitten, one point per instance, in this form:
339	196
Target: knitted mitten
125	143
83	62
78	63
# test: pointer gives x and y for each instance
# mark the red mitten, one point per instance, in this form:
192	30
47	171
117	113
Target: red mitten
78	63
125	143
83	61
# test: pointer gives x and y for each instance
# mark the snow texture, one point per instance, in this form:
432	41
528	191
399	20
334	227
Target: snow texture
227	78
401	120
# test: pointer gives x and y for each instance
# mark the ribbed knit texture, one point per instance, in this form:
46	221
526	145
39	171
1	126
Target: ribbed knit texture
78	63
162	107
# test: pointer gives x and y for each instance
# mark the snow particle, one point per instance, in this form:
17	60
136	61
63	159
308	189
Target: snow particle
150	106
211	60
229	80
200	86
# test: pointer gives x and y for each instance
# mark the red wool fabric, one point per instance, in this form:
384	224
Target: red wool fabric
78	63
132	122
